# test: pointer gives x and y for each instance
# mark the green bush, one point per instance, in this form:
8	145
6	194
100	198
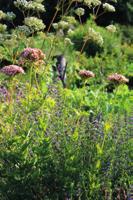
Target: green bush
127	34
56	149
111	41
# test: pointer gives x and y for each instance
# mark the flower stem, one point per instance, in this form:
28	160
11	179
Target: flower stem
84	44
100	15
51	49
55	14
68	8
80	20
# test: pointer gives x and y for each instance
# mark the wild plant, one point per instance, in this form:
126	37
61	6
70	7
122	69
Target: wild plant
62	143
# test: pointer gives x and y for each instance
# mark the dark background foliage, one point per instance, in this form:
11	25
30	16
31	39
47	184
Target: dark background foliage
123	14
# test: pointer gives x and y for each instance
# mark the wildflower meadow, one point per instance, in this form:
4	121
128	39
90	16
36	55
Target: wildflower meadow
66	100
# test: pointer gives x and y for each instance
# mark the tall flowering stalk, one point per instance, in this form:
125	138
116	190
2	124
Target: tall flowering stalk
80	12
53	18
33	59
32	56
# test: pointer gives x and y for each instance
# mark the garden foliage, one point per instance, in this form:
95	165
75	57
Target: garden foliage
69	141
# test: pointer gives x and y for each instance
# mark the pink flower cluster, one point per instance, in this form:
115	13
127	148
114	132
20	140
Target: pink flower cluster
12	70
86	74
32	54
118	78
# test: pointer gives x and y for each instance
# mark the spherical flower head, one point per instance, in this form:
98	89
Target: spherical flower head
12	70
80	11
118	78
86	74
32	54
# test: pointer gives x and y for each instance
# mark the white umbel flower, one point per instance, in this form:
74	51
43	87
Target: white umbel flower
24	29
111	28
34	23
91	3
108	8
94	36
80	11
30	5
63	24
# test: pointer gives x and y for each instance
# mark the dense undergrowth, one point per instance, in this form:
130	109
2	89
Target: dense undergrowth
72	142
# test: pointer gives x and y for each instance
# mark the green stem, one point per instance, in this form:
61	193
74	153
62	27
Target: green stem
80	20
55	14
49	27
51	49
31	70
97	10
100	15
37	85
66	12
84	44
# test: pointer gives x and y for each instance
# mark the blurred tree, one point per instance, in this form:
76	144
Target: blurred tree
125	11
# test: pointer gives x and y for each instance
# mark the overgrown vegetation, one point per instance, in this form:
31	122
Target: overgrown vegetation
65	129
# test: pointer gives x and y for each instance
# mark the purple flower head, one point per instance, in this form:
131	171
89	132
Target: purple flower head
86	74
118	78
12	70
32	54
